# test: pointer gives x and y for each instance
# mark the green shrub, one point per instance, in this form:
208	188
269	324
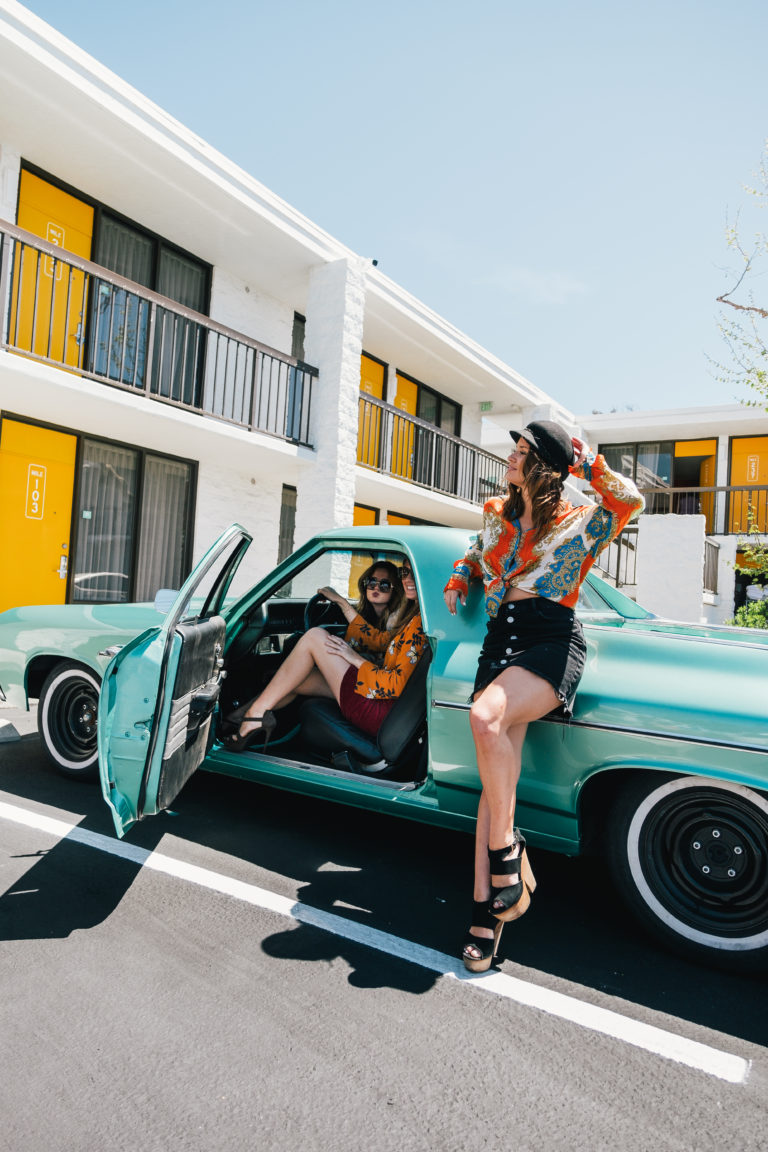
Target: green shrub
753	614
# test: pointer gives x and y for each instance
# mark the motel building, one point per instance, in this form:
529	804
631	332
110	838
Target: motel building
180	349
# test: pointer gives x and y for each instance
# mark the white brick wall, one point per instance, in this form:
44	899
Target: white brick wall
242	307
333	343
226	495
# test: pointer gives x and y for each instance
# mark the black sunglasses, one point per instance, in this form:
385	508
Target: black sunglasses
405	571
382	585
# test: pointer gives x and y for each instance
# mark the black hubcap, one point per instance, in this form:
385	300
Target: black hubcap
705	856
73	715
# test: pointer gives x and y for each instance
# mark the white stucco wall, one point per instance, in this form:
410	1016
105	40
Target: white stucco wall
241	306
670	566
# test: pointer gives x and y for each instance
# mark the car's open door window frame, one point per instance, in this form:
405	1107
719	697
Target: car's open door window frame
141	764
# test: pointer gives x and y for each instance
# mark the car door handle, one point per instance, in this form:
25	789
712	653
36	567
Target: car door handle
204	700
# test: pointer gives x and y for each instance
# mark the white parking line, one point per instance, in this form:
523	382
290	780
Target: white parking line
702	1057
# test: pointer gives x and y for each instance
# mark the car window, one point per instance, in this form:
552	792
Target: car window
337	568
590	601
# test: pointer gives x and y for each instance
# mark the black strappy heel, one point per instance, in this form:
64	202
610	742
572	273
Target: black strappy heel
512	900
266	726
482	918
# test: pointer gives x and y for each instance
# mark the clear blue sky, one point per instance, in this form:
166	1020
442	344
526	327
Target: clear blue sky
554	179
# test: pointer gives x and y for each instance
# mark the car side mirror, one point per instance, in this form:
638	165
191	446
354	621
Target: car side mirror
164	599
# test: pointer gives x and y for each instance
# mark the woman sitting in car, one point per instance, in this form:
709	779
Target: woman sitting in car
323	664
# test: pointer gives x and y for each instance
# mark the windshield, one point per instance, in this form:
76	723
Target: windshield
597	595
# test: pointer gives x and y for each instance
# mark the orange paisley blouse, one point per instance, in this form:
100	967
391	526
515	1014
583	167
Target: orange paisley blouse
401	654
504	556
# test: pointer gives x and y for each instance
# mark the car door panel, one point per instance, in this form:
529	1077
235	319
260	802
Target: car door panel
195	693
160	693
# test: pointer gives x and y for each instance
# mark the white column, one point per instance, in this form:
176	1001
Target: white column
721	481
10	163
325	493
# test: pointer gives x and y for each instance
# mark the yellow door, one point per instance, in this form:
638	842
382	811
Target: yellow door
37	476
749	466
369	421
705	451
707	480
403	438
48	301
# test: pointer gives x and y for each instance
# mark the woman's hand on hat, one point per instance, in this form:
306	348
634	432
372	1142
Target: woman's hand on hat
580	451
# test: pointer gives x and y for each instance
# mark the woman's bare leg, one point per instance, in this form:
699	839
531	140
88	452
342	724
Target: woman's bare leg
499	717
314	685
298	675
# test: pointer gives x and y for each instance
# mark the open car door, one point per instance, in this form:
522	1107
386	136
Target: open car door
160	691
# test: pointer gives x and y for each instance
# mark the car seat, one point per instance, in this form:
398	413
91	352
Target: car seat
397	752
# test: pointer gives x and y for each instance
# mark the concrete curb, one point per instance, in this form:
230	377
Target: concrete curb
7	732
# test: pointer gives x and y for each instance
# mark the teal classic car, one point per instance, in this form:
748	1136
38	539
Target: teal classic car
663	768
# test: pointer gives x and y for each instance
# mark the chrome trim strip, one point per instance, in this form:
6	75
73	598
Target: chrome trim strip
591	724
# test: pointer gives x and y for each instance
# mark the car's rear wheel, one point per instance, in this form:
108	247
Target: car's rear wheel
690	857
66	718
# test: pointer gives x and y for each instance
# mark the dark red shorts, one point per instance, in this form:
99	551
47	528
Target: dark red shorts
359	710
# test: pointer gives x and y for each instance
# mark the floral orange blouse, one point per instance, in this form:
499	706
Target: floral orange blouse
555	566
401	655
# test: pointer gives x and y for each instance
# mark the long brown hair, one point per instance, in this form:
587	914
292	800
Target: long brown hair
544	485
364	606
406	612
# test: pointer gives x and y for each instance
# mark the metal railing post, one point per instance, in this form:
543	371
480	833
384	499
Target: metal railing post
6	246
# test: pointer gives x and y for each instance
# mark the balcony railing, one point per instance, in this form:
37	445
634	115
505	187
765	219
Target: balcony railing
62	310
618	562
392	442
729	511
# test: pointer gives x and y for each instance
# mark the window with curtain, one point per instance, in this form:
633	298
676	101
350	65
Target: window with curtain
106	521
165	499
133	517
436	459
121	319
120	330
178	354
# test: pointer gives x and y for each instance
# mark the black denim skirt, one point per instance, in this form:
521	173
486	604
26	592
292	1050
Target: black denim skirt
537	634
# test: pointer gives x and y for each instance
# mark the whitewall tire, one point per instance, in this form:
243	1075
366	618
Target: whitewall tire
66	718
690	857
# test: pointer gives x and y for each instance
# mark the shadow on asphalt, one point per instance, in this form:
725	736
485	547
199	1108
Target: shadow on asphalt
51	900
408	879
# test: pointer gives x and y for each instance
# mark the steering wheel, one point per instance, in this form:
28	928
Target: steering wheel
319	611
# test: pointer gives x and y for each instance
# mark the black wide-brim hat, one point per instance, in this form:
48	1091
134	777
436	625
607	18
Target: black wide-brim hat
551	442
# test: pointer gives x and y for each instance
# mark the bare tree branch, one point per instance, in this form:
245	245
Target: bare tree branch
742	307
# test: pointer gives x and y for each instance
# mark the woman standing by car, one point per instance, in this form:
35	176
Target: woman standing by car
532	554
323	664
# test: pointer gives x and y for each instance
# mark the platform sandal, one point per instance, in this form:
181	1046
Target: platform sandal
482	918
235	742
511	900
